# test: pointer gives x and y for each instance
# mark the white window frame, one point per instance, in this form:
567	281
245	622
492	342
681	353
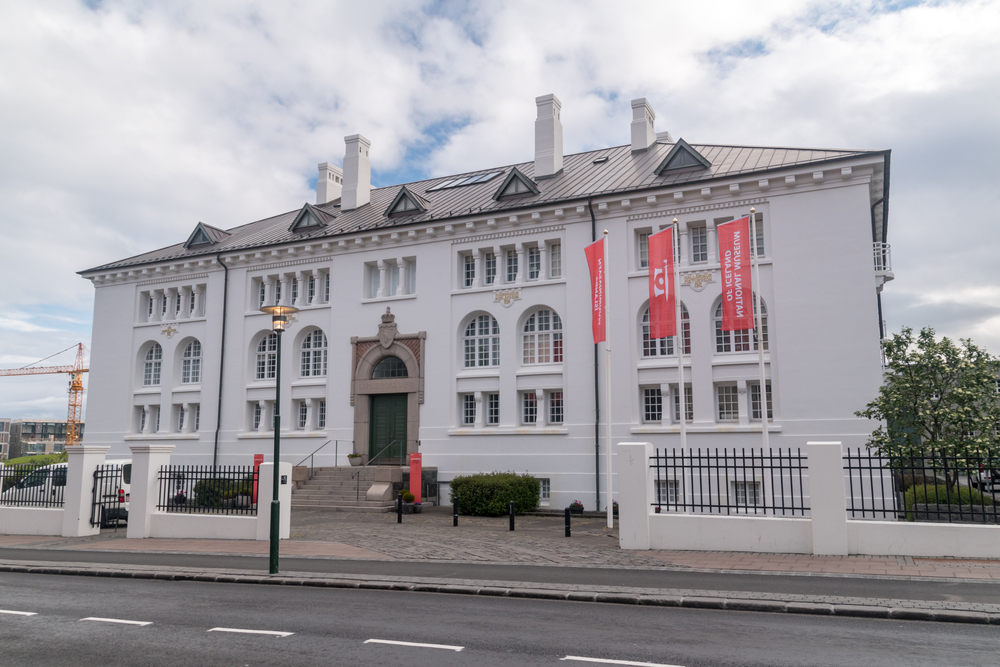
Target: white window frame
754	395
699	243
468	270
727	403
510	265
534	262
556	407
256	416
314	353
642	249
303	416
493	409
468	409
266	357
544	490
742	341
152	366
321	415
529	408
191	363
481	342
664	347
555	260
490	268
652	405
542	338
688	403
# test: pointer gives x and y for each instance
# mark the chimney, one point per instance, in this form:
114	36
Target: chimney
329	184
357	173
548	137
643	134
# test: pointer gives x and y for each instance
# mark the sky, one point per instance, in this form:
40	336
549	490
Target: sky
123	124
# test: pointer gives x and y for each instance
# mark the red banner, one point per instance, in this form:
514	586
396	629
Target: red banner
662	304
737	290
595	259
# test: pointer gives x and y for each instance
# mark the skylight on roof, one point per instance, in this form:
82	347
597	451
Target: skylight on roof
465	180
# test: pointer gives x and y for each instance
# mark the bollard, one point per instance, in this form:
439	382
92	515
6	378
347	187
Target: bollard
567	522
512	515
454	518
399	508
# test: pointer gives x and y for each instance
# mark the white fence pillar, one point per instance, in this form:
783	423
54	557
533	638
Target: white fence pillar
265	494
827	503
83	461
635	493
146	462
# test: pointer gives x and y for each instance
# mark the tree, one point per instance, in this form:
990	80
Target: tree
938	400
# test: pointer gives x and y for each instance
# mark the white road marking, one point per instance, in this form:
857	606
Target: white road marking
18	613
253	632
116	620
617	662
446	647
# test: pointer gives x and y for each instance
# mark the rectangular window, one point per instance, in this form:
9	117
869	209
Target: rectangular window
197	417
393	280
180	419
688	407
311	293
321	418
699	244
492	409
652	405
534	263
277	292
469	271
158	411
529	408
729	403
666	491
746	493
555	260
643	250
490	268
758	221
257	415
149	306
544	489
511	266
755	402
326	287
261	293
374	276
303	414
142	420
411	277
469	410
555	407
295	290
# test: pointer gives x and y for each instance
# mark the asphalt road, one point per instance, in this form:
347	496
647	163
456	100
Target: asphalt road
335	626
985	592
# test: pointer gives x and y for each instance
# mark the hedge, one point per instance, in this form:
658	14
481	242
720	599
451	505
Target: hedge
940	495
489	494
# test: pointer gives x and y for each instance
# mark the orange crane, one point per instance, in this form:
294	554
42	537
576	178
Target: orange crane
76	372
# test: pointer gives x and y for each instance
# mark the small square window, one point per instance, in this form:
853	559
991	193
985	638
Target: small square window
666	491
746	493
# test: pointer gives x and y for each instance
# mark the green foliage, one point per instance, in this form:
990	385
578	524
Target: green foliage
938	400
942	495
40	460
213	492
408	497
489	494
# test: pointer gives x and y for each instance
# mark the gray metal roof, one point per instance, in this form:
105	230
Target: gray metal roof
623	172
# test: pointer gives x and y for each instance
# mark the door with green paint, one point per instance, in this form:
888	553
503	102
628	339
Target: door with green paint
387	425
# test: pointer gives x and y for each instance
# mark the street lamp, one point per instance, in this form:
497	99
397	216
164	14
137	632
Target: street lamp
279	320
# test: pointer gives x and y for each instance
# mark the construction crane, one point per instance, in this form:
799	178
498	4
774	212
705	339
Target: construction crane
76	372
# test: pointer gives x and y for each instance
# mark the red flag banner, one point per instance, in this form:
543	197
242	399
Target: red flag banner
662	304
737	290
595	259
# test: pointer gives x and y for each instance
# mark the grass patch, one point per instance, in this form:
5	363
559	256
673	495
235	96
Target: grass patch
39	460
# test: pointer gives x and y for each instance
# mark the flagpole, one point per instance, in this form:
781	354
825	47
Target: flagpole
679	337
755	263
607	377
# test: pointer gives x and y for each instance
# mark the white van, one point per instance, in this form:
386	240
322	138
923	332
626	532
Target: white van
45	486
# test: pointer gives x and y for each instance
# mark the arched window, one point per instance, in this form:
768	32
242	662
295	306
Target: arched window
191	363
151	368
482	342
389	367
542	340
664	347
739	341
314	350
267	357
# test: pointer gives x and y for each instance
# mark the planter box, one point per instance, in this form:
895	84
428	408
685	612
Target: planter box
576	510
356	460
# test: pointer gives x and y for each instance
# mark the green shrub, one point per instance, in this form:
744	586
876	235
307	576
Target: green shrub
489	494
940	495
408	497
212	492
39	460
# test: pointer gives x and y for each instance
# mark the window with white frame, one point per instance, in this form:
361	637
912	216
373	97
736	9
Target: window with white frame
374	278
261	293
534	262
529	408
511	266
311	290
699	243
739	341
158	411
555	407
652	401
492	409
544	489
411	277
267	357
482	342
258	414
468	270
468	409
295	290
688	406
555	260
197	417
542	341
393	273
178	300
314	355
180	418
666	491
151	366
149	306
728	401
755	401
163	304
664	347
277	292
142	419
758	248
490	268
642	239
321	417
326	286
191	363
303	414
193	302
746	493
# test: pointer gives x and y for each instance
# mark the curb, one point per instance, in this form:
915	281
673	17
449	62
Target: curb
664	600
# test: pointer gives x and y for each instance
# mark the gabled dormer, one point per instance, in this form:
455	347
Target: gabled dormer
682	157
310	219
515	185
205	235
406	203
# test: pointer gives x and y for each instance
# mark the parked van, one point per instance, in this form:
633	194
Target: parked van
45	486
42	487
112	486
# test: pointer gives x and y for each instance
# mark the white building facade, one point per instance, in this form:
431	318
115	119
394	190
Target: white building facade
453	314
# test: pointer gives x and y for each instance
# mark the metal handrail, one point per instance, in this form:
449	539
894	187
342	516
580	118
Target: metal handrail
310	456
357	496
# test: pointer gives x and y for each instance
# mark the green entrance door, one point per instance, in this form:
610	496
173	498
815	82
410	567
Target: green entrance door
387	425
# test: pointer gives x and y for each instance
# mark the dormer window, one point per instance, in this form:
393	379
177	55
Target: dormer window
310	219
405	203
204	235
515	185
682	157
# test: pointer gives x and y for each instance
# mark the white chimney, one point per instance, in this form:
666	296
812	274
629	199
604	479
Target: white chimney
548	137
329	184
357	173
643	117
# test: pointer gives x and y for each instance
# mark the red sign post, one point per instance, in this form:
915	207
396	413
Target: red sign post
257	460
416	476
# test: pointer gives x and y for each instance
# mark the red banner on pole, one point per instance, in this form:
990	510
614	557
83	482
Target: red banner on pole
662	295
737	289
595	259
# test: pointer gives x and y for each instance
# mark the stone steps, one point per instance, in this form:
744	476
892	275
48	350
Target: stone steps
333	489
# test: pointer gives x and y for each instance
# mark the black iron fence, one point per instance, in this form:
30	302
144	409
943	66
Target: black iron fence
731	481
208	490
922	485
109	504
31	486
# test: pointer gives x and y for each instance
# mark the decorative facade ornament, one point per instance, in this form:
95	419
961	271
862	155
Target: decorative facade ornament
169	331
696	281
506	296
387	330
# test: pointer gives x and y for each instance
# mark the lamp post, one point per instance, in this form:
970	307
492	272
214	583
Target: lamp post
279	320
